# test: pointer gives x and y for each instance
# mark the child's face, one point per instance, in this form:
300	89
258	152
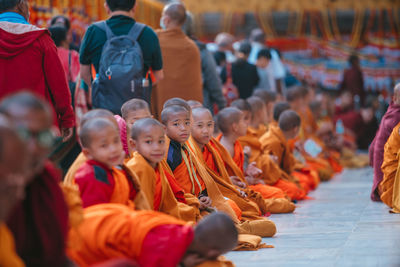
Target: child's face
247	116
202	128
106	147
262	62
241	126
178	126
136	115
151	144
294	132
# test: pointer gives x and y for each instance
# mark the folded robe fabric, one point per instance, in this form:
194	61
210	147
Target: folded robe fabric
250	209
250	242
115	231
39	223
390	166
274	198
167	199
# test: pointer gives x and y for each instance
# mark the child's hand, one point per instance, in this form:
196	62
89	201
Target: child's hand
236	181
274	158
242	193
252	170
205	202
254	181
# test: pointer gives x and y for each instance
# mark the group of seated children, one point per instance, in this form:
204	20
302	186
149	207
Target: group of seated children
182	190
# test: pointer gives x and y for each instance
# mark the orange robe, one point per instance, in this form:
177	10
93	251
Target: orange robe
156	187
389	169
274	143
114	231
182	69
8	255
274	199
217	171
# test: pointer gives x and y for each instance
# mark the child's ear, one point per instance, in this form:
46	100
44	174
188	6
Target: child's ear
86	152
235	127
132	144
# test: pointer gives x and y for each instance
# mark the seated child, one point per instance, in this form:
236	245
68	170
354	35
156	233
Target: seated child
159	186
216	158
269	98
135	109
101	179
275	142
190	173
150	238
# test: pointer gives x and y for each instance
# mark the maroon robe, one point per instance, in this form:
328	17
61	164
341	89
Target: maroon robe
39	223
389	121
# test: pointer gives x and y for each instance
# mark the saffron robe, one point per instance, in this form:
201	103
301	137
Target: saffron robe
39	223
250	209
270	204
182	70
115	231
99	184
8	256
376	149
274	143
158	190
389	169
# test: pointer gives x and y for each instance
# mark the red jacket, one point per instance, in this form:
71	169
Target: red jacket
29	61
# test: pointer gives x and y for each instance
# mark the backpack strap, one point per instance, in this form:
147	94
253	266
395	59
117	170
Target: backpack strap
136	30
103	25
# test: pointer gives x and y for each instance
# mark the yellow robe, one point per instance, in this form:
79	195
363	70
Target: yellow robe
8	256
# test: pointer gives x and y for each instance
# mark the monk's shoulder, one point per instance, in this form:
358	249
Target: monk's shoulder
92	171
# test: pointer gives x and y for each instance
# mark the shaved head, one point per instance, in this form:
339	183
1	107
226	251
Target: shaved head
396	94
176	12
255	103
177	101
293	94
289	120
194	104
96	113
134	104
94	125
142	125
173	109
241	104
196	112
215	232
266	96
279	108
227	117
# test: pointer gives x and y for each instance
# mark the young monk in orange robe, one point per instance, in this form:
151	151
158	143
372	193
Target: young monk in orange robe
390	164
213	153
13	180
275	142
101	179
271	174
152	239
160	188
192	176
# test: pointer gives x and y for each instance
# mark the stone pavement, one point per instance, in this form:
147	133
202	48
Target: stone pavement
340	227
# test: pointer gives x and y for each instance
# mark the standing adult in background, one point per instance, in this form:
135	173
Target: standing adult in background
212	85
120	23
181	57
244	74
29	60
376	149
258	42
64	21
353	80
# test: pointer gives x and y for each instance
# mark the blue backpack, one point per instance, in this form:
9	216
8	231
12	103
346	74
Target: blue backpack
121	70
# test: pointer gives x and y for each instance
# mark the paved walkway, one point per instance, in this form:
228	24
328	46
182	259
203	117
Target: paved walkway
340	227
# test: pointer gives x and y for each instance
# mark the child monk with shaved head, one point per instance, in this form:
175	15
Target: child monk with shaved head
159	186
102	178
135	109
275	142
150	238
223	169
191	174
